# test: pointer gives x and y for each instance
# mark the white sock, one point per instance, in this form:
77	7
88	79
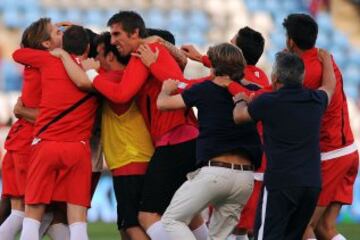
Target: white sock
157	232
59	231
242	237
311	239
12	225
78	231
30	229
201	233
45	223
339	237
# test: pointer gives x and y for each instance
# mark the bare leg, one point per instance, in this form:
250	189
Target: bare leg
17	204
76	213
123	235
310	230
35	211
326	228
146	219
196	222
136	233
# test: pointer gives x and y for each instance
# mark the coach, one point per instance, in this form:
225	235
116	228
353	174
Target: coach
291	117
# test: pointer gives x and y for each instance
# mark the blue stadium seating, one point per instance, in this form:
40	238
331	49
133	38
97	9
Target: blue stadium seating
12	75
73	15
32	15
95	17
11	18
198	19
155	18
56	15
323	40
176	19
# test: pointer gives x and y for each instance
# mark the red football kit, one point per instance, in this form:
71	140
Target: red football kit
339	153
20	136
62	156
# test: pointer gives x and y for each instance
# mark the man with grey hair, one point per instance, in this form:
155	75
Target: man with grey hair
292	180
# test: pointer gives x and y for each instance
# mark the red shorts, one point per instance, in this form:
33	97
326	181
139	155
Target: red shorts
59	171
14	170
338	177
247	217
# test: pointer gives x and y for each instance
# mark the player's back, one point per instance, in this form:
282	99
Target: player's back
335	129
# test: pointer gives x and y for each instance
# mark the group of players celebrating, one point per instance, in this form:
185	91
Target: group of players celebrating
269	159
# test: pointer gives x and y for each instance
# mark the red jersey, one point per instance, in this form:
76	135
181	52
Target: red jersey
137	80
21	133
58	94
335	129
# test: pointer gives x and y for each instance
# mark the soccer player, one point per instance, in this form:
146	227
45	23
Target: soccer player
339	155
292	179
61	152
126	143
226	153
18	143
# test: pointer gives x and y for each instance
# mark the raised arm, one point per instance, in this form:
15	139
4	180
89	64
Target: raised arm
328	75
167	101
75	72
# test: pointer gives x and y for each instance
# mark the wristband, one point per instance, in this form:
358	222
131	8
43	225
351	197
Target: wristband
181	85
92	74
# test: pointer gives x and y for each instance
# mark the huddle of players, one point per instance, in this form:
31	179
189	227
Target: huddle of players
149	151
